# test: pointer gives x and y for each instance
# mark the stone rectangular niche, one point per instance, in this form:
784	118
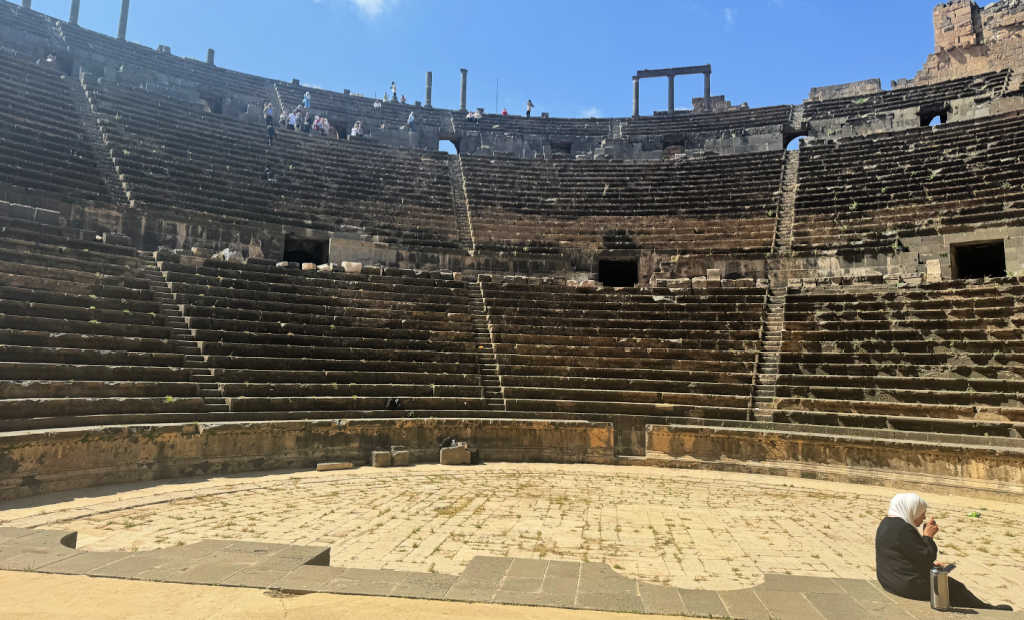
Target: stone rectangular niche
618	272
301	250
978	259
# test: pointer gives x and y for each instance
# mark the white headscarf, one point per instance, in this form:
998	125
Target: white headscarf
907	506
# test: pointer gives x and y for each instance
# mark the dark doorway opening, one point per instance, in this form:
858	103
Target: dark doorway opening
561	149
618	272
978	260
931	118
305	250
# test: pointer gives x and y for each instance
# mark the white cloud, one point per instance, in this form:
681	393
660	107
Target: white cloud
730	16
591	112
373	8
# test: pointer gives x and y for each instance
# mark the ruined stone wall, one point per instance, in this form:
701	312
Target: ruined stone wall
970	40
972	464
35	463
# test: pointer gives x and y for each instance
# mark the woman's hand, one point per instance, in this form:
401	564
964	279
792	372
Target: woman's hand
931	529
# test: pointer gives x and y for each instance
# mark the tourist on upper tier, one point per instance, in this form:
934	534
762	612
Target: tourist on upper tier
357	129
268	113
376	104
403	99
306	101
283	121
904	557
412	119
307	122
529	107
270	133
316	123
504	111
293	120
325	126
394	91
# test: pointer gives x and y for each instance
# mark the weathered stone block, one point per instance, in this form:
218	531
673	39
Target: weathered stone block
308	266
714	275
380	458
352	267
325	267
334	466
457	455
400	458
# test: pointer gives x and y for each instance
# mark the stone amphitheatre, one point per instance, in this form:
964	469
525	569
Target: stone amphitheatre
652	364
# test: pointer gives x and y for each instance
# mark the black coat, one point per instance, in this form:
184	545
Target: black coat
904	559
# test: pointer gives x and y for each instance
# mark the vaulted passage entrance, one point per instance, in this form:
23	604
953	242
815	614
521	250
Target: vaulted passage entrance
978	260
618	272
305	250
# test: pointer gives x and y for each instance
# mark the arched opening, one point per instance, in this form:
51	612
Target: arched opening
448	146
933	117
305	250
793	141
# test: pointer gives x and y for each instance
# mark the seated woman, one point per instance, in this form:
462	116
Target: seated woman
904	557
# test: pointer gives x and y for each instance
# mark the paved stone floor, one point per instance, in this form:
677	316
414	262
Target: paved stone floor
687	529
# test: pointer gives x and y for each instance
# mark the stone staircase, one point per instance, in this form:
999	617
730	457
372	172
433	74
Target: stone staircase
184	342
769	353
460	204
280	103
783	242
484	335
117	189
797	118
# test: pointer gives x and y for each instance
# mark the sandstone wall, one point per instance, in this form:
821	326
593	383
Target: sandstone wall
42	462
970	40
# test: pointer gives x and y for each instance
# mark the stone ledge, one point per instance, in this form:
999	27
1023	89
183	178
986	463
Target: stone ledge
537	582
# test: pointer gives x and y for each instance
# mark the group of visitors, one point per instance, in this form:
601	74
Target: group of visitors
476	115
301	118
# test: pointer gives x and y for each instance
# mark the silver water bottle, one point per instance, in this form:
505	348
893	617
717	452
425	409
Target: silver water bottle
940	589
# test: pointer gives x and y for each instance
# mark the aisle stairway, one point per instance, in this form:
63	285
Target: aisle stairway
483	332
184	342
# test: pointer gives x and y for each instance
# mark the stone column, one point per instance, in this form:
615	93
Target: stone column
430	86
122	27
636	97
671	93
462	91
209	56
707	85
73	18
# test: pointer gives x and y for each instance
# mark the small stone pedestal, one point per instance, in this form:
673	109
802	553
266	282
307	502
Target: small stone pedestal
456	455
381	458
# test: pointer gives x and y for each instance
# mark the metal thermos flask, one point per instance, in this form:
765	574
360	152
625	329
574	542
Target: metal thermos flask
940	589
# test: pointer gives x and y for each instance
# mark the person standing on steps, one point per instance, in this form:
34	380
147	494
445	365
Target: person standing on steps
412	119
268	113
394	91
529	107
306	100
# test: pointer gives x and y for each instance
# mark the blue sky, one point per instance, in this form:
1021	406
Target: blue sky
573	58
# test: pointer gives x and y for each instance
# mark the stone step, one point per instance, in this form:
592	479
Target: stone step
208	395
217	408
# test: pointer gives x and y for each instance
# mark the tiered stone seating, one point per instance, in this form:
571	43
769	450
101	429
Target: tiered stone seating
285	341
868	192
24	21
43	148
946	357
567	127
985	84
344	110
82	341
689	122
719	204
179	159
128	56
621	351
